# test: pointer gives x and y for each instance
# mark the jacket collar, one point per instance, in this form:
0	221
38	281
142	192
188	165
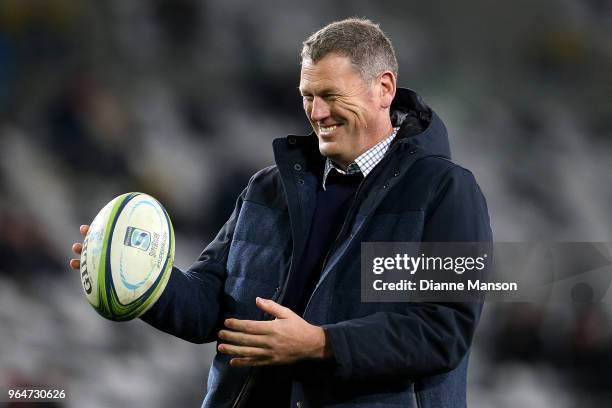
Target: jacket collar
419	124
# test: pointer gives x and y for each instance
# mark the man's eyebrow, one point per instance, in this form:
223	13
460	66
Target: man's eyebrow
323	92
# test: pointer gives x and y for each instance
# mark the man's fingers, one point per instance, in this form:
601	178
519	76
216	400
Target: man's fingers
249	362
249	326
77	248
242	351
271	307
243	339
75	264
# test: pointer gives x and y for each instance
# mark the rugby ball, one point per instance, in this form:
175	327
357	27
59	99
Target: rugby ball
127	256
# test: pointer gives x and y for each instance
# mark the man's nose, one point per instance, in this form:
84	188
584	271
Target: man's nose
320	109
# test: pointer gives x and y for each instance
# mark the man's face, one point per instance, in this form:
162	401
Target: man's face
348	114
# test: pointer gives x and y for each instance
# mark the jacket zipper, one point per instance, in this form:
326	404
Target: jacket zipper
238	401
247	382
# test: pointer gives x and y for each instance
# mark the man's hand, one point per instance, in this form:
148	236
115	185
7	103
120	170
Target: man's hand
77	248
285	340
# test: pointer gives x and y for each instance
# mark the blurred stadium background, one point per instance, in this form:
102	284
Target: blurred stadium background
181	99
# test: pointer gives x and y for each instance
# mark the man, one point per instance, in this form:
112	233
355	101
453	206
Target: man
279	287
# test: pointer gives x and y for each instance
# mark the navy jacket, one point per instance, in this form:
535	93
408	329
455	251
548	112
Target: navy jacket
386	354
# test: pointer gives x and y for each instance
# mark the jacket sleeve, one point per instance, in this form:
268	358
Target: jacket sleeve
189	305
422	339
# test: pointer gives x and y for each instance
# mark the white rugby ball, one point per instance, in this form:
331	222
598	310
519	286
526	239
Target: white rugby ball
127	256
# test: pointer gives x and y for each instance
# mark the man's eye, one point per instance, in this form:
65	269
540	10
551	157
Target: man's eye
307	98
330	97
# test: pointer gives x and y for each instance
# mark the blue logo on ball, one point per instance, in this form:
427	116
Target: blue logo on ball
137	238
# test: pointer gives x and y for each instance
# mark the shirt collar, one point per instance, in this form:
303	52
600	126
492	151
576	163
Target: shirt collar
365	162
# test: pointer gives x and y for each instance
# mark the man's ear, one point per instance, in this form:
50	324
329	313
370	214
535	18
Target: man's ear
387	83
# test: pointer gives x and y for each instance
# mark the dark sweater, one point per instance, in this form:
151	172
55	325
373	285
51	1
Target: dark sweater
332	205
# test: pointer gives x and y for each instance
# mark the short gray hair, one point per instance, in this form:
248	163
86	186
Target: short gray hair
359	39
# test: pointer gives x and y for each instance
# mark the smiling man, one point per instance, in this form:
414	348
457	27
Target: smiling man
348	110
279	287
